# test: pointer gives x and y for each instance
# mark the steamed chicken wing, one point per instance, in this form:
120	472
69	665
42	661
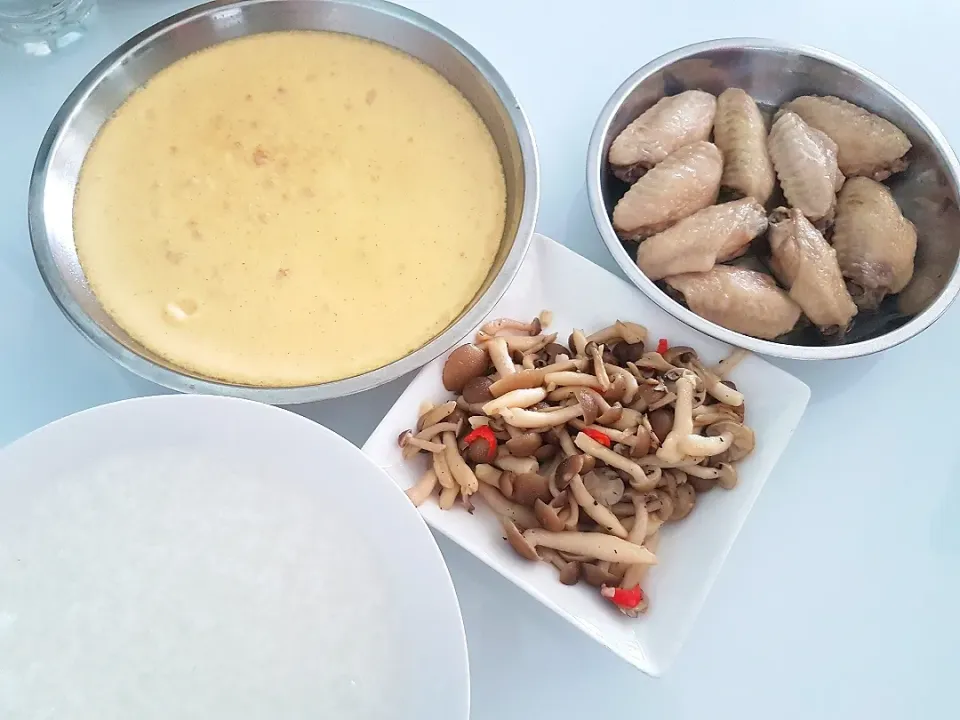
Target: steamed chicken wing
696	243
670	124
867	144
742	300
807	266
806	163
741	134
686	181
875	244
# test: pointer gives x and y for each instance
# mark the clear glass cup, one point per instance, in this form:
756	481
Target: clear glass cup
41	27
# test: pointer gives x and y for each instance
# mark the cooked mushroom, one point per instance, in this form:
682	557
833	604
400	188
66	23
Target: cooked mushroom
500	356
548	515
494	327
606	488
462	365
505	461
572	465
442	469
681	440
531	419
742	437
424	487
592	545
618	389
726	366
488	474
632	387
448	496
684	502
728	476
517	541
530	487
570	573
435	414
515	399
431	432
476	391
638	478
558	379
686	357
458	468
503	507
598	576
600	513
411	445
524	445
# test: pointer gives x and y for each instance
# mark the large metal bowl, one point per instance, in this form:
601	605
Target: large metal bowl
774	72
132	64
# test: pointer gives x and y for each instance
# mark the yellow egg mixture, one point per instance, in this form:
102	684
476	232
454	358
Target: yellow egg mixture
290	208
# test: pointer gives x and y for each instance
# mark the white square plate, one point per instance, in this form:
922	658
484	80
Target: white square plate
583	295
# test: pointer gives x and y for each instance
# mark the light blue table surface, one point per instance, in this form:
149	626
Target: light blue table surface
840	598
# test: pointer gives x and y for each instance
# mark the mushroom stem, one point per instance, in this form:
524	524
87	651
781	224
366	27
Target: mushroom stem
493	327
430	432
641	519
670	449
517	399
419	492
531	419
442	469
578	343
599	546
488	474
726	366
702	446
554	380
522	516
500	356
448	496
436	414
700	471
599	370
411	445
638	478
458	468
594	509
505	461
633	387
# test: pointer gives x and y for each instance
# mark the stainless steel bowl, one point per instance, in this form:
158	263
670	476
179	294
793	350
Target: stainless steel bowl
774	72
132	64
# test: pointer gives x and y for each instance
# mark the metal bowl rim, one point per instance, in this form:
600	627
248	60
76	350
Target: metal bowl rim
185	382
595	169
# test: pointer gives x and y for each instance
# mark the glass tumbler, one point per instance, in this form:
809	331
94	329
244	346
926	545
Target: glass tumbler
40	27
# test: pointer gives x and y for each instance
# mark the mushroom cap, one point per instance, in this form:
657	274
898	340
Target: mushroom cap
476	391
570	573
463	364
548	515
588	401
728	476
529	487
683	502
642	442
702	485
606	488
545	452
743	443
626	352
661	421
569	467
517	541
617	389
524	445
478	451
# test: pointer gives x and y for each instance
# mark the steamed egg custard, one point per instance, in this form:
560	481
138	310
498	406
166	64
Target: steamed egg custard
290	208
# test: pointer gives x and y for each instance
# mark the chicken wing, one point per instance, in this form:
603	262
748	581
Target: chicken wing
875	244
686	181
806	163
807	266
741	134
670	124
696	243
867	144
742	300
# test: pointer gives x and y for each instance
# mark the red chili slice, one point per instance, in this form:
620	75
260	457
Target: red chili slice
600	437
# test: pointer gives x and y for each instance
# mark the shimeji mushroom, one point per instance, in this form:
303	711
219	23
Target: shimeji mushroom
596	545
742	440
423	488
628	332
458	468
639	480
533	420
435	414
632	386
523	398
524	445
600	513
548	514
411	445
464	364
605	486
686	357
727	479
494	327
681	440
488	474
595	353
500	356
554	380
505	461
503	507
442	469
